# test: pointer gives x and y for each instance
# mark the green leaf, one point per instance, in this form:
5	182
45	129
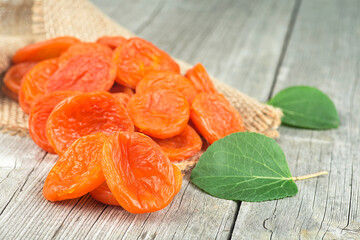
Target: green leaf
244	166
306	107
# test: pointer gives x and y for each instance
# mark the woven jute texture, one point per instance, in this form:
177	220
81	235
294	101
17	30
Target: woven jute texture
25	21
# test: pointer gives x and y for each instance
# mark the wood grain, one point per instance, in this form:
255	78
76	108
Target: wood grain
322	52
239	41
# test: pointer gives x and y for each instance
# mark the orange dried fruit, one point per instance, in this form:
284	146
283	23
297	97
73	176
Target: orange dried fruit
87	72
182	146
104	195
138	173
39	113
78	171
111	41
117	88
13	77
201	79
85	114
47	49
159	113
84	48
34	82
214	117
166	79
122	97
137	56
178	178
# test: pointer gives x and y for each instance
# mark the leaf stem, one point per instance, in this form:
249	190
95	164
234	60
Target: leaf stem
310	175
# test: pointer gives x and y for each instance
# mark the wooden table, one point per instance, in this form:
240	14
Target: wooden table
259	47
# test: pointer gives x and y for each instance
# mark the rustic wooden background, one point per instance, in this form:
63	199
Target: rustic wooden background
259	47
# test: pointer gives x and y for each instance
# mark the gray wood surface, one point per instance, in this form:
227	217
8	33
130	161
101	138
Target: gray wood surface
259	47
322	52
238	41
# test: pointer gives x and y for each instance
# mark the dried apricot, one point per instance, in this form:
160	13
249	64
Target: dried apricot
39	113
137	56
182	146
214	117
85	114
138	173
117	88
201	79
78	171
178	178
104	195
122	97
159	113
47	49
34	82
12	78
87	72
84	48
111	41
166	79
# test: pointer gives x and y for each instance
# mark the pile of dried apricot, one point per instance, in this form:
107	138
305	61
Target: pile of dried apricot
119	114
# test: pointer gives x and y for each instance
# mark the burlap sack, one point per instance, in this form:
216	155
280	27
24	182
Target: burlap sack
25	21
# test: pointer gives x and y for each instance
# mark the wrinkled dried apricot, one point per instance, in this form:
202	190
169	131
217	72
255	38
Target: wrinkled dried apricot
182	146
214	117
39	113
111	41
84	48
104	195
166	79
13	77
34	82
85	114
201	79
159	113
138	173
178	178
47	49
137	56
87	72
78	171
122	97
117	88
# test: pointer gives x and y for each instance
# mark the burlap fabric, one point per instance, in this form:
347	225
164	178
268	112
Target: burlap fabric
25	21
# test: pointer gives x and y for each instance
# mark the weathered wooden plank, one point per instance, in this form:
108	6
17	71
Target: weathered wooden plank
323	52
14	170
225	36
239	42
134	15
